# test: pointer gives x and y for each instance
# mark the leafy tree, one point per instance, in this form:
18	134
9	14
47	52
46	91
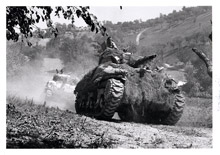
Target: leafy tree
32	53
15	59
62	28
70	27
183	8
71	49
192	86
198	84
201	74
24	19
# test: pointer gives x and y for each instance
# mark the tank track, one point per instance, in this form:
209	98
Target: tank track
176	111
103	101
170	117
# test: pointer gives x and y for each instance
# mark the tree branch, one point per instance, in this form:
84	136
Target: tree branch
204	58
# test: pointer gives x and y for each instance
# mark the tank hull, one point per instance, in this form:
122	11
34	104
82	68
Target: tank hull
149	98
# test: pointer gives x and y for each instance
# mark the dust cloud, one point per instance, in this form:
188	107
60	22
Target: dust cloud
31	82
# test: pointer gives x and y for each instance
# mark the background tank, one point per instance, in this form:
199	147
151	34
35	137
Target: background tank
125	84
61	86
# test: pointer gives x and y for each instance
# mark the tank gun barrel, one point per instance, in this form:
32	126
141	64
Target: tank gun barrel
143	60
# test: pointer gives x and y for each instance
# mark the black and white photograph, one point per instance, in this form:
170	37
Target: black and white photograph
109	76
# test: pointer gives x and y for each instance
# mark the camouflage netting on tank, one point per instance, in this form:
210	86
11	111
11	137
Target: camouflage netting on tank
145	90
140	91
85	83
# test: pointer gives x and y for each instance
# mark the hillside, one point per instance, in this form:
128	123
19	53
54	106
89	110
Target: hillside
174	32
165	33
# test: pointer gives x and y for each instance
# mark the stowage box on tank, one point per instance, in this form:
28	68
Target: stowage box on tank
122	83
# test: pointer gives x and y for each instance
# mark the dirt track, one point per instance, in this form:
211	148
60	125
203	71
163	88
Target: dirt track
139	35
133	135
37	126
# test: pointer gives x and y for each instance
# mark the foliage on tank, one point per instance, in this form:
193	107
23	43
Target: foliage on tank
127	84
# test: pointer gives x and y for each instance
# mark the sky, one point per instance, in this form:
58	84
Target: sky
115	14
130	13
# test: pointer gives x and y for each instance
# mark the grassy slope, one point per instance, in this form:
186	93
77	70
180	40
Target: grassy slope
166	33
186	28
162	35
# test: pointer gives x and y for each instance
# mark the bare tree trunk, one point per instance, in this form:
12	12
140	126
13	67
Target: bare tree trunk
207	61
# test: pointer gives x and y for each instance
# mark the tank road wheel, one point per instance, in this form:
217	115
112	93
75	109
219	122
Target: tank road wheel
108	102
176	111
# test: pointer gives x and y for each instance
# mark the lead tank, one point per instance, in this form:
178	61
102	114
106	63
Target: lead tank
128	85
